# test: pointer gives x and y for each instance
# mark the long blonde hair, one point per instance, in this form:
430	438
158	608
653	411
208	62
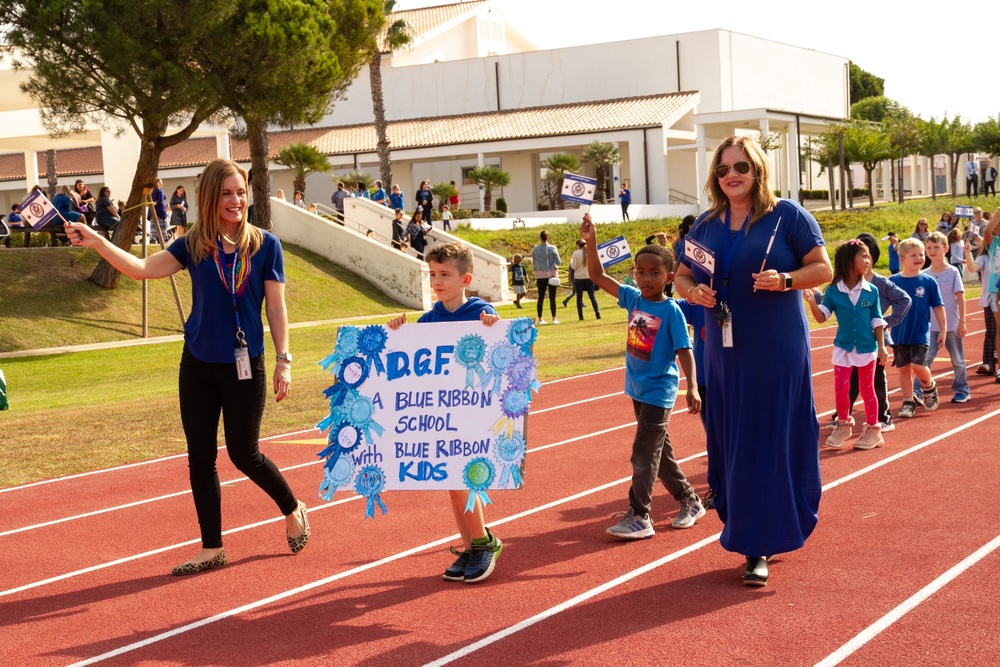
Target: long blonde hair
762	199
201	238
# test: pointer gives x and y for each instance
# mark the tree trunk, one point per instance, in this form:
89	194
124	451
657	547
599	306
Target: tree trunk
871	189
954	174
833	186
900	177
259	147
378	107
50	172
602	186
299	185
843	188
104	274
488	198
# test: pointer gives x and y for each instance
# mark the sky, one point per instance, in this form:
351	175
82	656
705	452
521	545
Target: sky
922	51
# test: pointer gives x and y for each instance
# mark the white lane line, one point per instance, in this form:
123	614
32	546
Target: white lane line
342	575
909	605
552	611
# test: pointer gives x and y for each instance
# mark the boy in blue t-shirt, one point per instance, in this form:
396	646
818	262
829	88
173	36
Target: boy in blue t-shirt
450	266
657	335
517	276
911	337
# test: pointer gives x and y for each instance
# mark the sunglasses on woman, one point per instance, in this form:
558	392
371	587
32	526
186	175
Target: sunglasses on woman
741	167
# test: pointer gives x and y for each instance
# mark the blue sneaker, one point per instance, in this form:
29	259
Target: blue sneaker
482	559
457	570
960	398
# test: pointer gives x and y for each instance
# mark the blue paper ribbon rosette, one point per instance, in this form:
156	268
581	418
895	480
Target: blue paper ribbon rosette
478	475
469	352
498	360
371	343
521	375
359	414
346	346
522	333
336	476
510	451
370	483
513	404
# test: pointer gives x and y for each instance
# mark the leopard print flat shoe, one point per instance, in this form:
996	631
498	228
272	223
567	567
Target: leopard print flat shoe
217	561
297	544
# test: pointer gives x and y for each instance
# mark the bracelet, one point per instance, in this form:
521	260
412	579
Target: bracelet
283	362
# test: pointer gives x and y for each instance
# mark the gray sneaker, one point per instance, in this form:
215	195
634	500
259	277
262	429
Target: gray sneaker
909	407
632	527
691	511
931	398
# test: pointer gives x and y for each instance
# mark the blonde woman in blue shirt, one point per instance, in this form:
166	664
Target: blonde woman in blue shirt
860	339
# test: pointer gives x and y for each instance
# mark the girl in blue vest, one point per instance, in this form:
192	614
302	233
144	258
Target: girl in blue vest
859	341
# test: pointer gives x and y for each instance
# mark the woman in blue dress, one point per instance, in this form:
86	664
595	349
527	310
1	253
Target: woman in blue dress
757	361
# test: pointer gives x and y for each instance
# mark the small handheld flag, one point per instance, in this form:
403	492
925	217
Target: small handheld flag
3	392
700	255
37	210
963	211
613	251
579	189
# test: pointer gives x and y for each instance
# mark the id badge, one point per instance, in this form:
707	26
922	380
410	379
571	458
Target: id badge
727	330
243	363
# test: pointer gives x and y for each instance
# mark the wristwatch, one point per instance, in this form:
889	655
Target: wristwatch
284	356
788	282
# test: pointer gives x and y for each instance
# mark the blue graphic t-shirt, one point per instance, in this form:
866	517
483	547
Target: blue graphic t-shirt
914	329
656	330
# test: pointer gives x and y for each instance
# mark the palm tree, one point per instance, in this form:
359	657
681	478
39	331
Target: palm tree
487	178
302	159
395	36
555	168
442	191
600	155
352	178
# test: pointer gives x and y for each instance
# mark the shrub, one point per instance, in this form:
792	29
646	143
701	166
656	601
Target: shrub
501	204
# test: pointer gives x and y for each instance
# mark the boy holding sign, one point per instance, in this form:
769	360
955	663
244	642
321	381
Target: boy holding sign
450	266
657	337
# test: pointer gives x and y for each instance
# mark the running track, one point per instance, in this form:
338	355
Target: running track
903	568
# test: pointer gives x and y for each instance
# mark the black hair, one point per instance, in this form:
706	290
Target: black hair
685	225
665	254
872	244
843	259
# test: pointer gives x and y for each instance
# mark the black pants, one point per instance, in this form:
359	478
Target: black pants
624	211
988	187
206	390
652	458
990	340
543	284
581	286
972	186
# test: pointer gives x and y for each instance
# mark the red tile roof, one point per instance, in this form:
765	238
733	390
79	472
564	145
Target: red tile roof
550	121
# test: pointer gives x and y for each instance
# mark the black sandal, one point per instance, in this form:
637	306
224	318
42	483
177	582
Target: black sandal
756	571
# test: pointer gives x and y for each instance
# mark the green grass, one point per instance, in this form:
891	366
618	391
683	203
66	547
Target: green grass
76	412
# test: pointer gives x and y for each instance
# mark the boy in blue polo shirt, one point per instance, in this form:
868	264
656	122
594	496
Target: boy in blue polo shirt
911	337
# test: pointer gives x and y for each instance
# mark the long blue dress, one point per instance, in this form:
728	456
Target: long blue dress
760	389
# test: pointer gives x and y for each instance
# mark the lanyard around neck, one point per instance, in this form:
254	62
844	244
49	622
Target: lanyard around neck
234	284
729	252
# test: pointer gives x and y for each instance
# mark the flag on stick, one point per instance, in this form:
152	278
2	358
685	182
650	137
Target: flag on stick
37	210
579	189
700	255
613	251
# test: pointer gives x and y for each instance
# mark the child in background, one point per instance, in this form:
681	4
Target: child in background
894	303
517	276
911	337
446	218
657	339
396	198
956	249
988	302
450	266
949	280
893	253
15	215
859	343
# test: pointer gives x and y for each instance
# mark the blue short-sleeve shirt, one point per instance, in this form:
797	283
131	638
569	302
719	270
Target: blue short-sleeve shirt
656	330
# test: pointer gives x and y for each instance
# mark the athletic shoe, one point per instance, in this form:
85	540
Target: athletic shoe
998	378
931	398
541	321
457	570
555	321
909	407
889	426
483	559
631	527
691	511
843	431
984	369
960	398
871	437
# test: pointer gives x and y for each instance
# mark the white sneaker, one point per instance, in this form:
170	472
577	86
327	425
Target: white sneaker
631	527
541	321
556	322
888	428
691	511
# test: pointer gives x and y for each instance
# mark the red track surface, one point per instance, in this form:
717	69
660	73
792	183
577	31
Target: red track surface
871	586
